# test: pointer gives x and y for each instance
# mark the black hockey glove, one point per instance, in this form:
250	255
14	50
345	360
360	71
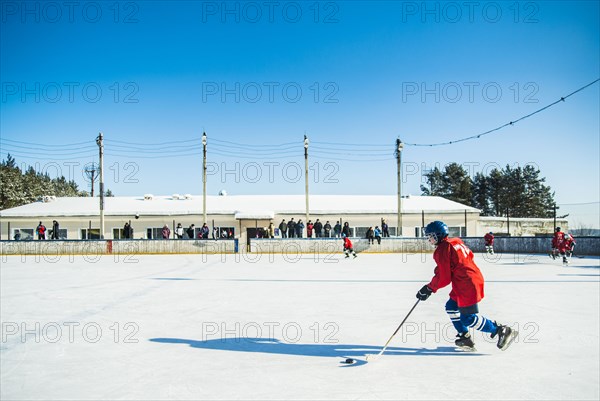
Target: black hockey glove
424	293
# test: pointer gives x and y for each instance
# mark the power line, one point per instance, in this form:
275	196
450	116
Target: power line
562	99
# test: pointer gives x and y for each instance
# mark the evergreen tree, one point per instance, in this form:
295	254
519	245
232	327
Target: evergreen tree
19	188
454	184
481	194
520	192
435	182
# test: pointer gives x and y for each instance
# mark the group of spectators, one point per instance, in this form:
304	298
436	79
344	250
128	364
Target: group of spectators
42	232
190	232
295	229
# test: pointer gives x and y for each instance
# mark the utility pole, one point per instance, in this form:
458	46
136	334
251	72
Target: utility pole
306	177
204	177
399	147
91	171
100	142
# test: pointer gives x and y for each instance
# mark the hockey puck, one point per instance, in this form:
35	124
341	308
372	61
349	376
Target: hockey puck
349	360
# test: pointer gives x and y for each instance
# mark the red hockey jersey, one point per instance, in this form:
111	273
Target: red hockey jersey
455	265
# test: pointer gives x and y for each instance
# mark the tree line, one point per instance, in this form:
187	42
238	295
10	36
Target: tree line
517	192
20	187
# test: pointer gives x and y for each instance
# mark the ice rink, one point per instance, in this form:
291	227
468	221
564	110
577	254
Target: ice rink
273	327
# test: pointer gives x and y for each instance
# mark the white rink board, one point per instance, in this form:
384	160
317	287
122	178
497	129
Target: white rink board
162	318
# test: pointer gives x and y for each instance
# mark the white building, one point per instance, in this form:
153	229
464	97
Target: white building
241	215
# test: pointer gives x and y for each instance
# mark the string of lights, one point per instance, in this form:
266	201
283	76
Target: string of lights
510	123
358	152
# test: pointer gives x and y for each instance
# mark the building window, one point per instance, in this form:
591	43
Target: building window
62	233
25	234
226	232
154	233
456	231
87	233
118	233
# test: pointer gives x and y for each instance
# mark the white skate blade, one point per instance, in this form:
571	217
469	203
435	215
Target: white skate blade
514	333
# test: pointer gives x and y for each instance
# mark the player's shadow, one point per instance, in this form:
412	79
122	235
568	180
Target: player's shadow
274	346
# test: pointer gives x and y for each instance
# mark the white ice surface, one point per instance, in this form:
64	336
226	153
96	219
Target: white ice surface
178	308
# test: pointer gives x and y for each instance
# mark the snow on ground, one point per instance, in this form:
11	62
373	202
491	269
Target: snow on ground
274	327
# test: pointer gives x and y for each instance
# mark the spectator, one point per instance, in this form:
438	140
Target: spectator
299	228
346	229
271	230
190	231
17	236
385	228
215	233
371	235
54	229
41	231
166	232
309	229
318	229
283	229
204	231
377	233
337	230
179	231
291	226
327	228
127	232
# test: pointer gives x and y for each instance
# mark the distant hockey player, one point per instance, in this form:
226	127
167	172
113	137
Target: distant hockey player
570	244
489	242
556	241
348	249
455	265
565	247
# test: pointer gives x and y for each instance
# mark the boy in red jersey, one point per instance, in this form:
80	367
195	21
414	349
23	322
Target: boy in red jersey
348	246
489	242
455	265
557	239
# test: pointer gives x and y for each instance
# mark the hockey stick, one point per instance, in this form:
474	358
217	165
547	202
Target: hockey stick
372	357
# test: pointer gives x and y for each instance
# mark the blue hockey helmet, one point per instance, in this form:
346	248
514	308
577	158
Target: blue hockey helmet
438	230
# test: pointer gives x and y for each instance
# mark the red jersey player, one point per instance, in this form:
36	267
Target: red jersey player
556	241
348	246
455	265
489	242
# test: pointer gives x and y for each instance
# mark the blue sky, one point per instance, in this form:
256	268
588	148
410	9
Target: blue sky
257	76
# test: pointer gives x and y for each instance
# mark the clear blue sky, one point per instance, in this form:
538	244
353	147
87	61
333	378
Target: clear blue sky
367	72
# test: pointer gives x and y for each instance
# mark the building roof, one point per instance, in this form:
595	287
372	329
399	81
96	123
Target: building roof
240	205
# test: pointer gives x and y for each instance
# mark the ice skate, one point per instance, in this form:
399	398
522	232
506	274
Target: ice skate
465	342
506	336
